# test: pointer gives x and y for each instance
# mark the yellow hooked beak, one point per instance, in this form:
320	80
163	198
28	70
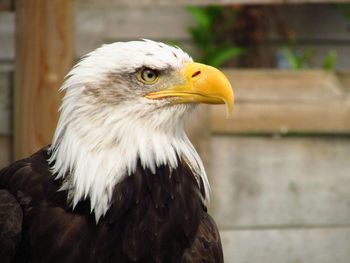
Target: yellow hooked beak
204	84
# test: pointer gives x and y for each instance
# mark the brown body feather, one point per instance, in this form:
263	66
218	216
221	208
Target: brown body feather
153	218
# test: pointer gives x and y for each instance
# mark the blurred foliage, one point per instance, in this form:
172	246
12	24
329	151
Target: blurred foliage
297	58
210	36
329	61
239	36
344	9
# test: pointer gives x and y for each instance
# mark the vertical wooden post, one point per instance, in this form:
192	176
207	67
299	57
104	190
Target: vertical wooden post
44	54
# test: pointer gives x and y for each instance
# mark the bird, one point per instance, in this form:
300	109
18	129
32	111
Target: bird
120	181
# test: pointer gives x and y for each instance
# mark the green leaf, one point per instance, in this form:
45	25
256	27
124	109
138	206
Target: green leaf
292	59
200	15
329	61
206	35
213	12
223	55
202	38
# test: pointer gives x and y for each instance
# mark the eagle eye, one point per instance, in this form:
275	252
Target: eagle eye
148	76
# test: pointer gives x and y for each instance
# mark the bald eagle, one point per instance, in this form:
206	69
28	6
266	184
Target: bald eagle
121	181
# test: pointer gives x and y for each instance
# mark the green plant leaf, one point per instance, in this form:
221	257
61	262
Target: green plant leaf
200	15
223	55
208	36
292	59
329	61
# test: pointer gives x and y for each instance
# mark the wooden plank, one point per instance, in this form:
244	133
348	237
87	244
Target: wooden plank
127	21
44	50
273	182
121	3
131	22
96	27
5	151
287	246
344	79
284	85
285	101
294	117
5	102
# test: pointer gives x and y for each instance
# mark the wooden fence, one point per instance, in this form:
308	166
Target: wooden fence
280	168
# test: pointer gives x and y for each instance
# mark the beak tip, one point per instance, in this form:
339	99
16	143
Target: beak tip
229	108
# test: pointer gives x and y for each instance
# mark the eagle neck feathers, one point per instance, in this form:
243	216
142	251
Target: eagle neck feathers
92	153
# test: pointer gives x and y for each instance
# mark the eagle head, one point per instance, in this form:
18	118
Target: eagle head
125	102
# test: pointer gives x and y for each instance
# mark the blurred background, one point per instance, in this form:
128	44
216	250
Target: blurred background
279	166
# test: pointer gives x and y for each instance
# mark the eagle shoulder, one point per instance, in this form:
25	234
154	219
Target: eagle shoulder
33	214
207	244
10	226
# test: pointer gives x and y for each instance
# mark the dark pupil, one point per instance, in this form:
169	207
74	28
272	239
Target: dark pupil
150	74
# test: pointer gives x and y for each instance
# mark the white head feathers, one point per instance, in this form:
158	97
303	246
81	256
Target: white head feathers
106	124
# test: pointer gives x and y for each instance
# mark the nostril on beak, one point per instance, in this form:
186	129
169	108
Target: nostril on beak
196	73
